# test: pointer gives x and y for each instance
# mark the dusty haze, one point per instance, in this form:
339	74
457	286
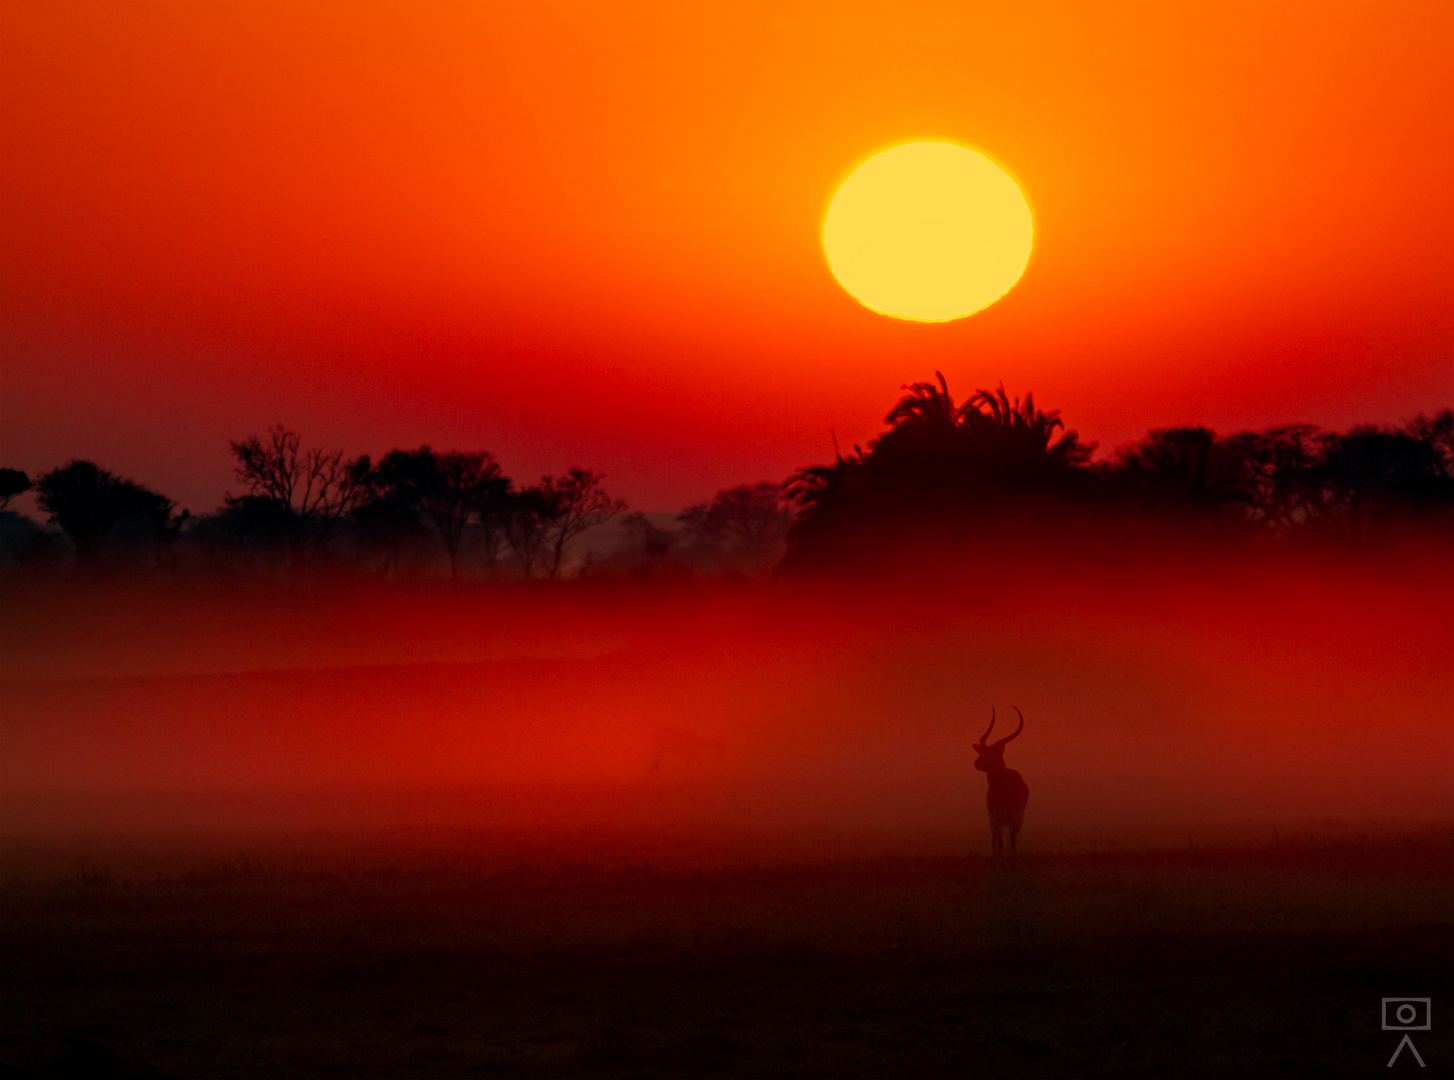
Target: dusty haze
1163	695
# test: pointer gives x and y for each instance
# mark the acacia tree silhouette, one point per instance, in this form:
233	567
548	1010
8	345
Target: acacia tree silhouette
460	485
1187	471
91	505
1295	478
449	489
316	488
491	505
751	521
388	516
579	503
1370	477
525	519
13	482
255	526
1273	469
1438	432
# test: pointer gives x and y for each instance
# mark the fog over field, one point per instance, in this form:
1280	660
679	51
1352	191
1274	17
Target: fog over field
1167	696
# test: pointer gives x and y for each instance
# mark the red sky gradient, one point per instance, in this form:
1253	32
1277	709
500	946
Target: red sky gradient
590	236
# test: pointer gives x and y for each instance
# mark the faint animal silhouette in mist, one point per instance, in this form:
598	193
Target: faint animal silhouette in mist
678	754
1008	791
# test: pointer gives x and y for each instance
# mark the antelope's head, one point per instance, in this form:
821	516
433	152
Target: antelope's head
990	756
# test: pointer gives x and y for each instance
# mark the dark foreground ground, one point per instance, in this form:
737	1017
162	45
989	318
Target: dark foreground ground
1197	963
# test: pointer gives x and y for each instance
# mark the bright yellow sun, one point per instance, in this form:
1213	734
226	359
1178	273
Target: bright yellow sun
928	231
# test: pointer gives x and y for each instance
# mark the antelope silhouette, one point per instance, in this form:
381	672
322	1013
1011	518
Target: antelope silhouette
1008	790
684	754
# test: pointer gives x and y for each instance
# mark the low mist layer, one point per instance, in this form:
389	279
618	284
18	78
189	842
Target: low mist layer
1160	690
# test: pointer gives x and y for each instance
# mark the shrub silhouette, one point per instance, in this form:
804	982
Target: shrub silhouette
91	505
449	489
13	482
744	527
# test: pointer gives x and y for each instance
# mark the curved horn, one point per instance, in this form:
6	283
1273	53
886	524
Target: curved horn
987	730
1017	731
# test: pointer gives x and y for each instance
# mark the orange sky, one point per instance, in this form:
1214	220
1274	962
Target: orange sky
590	236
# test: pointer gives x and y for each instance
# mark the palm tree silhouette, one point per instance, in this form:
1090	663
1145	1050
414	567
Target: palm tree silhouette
939	463
1033	429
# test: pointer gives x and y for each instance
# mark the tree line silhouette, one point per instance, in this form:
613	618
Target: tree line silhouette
304	507
994	463
955	470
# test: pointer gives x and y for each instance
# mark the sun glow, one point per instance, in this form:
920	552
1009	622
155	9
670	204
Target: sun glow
928	231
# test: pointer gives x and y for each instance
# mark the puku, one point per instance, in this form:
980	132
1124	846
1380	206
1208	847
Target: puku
1008	790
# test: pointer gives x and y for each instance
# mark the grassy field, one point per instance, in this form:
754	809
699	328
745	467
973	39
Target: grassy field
372	963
